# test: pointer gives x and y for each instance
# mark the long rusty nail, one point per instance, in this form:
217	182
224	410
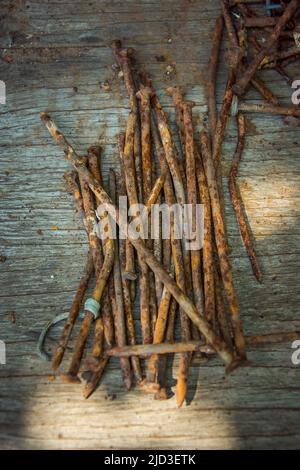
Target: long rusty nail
126	282
91	221
123	57
235	52
158	335
168	144
212	73
270	338
127	301
158	252
88	205
263	108
193	346
153	197
208	258
144	94
222	245
156	290
117	295
91	311
102	273
179	273
235	197
133	200
73	188
156	370
175	168
159	348
223	118
190	152
129	272
94	154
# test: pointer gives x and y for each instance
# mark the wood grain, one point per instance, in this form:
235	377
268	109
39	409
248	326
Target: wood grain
54	56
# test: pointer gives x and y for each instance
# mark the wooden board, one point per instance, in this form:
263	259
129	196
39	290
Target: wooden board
54	56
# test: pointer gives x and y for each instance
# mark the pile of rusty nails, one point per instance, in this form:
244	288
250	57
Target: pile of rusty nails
196	287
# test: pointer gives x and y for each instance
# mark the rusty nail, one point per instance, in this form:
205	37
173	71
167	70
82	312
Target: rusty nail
222	245
235	197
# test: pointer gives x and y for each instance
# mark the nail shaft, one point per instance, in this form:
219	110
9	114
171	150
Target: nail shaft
133	200
212	73
73	188
127	283
222	245
108	244
235	198
208	259
159	348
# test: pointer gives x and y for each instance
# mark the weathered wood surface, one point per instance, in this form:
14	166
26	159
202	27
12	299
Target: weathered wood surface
54	57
